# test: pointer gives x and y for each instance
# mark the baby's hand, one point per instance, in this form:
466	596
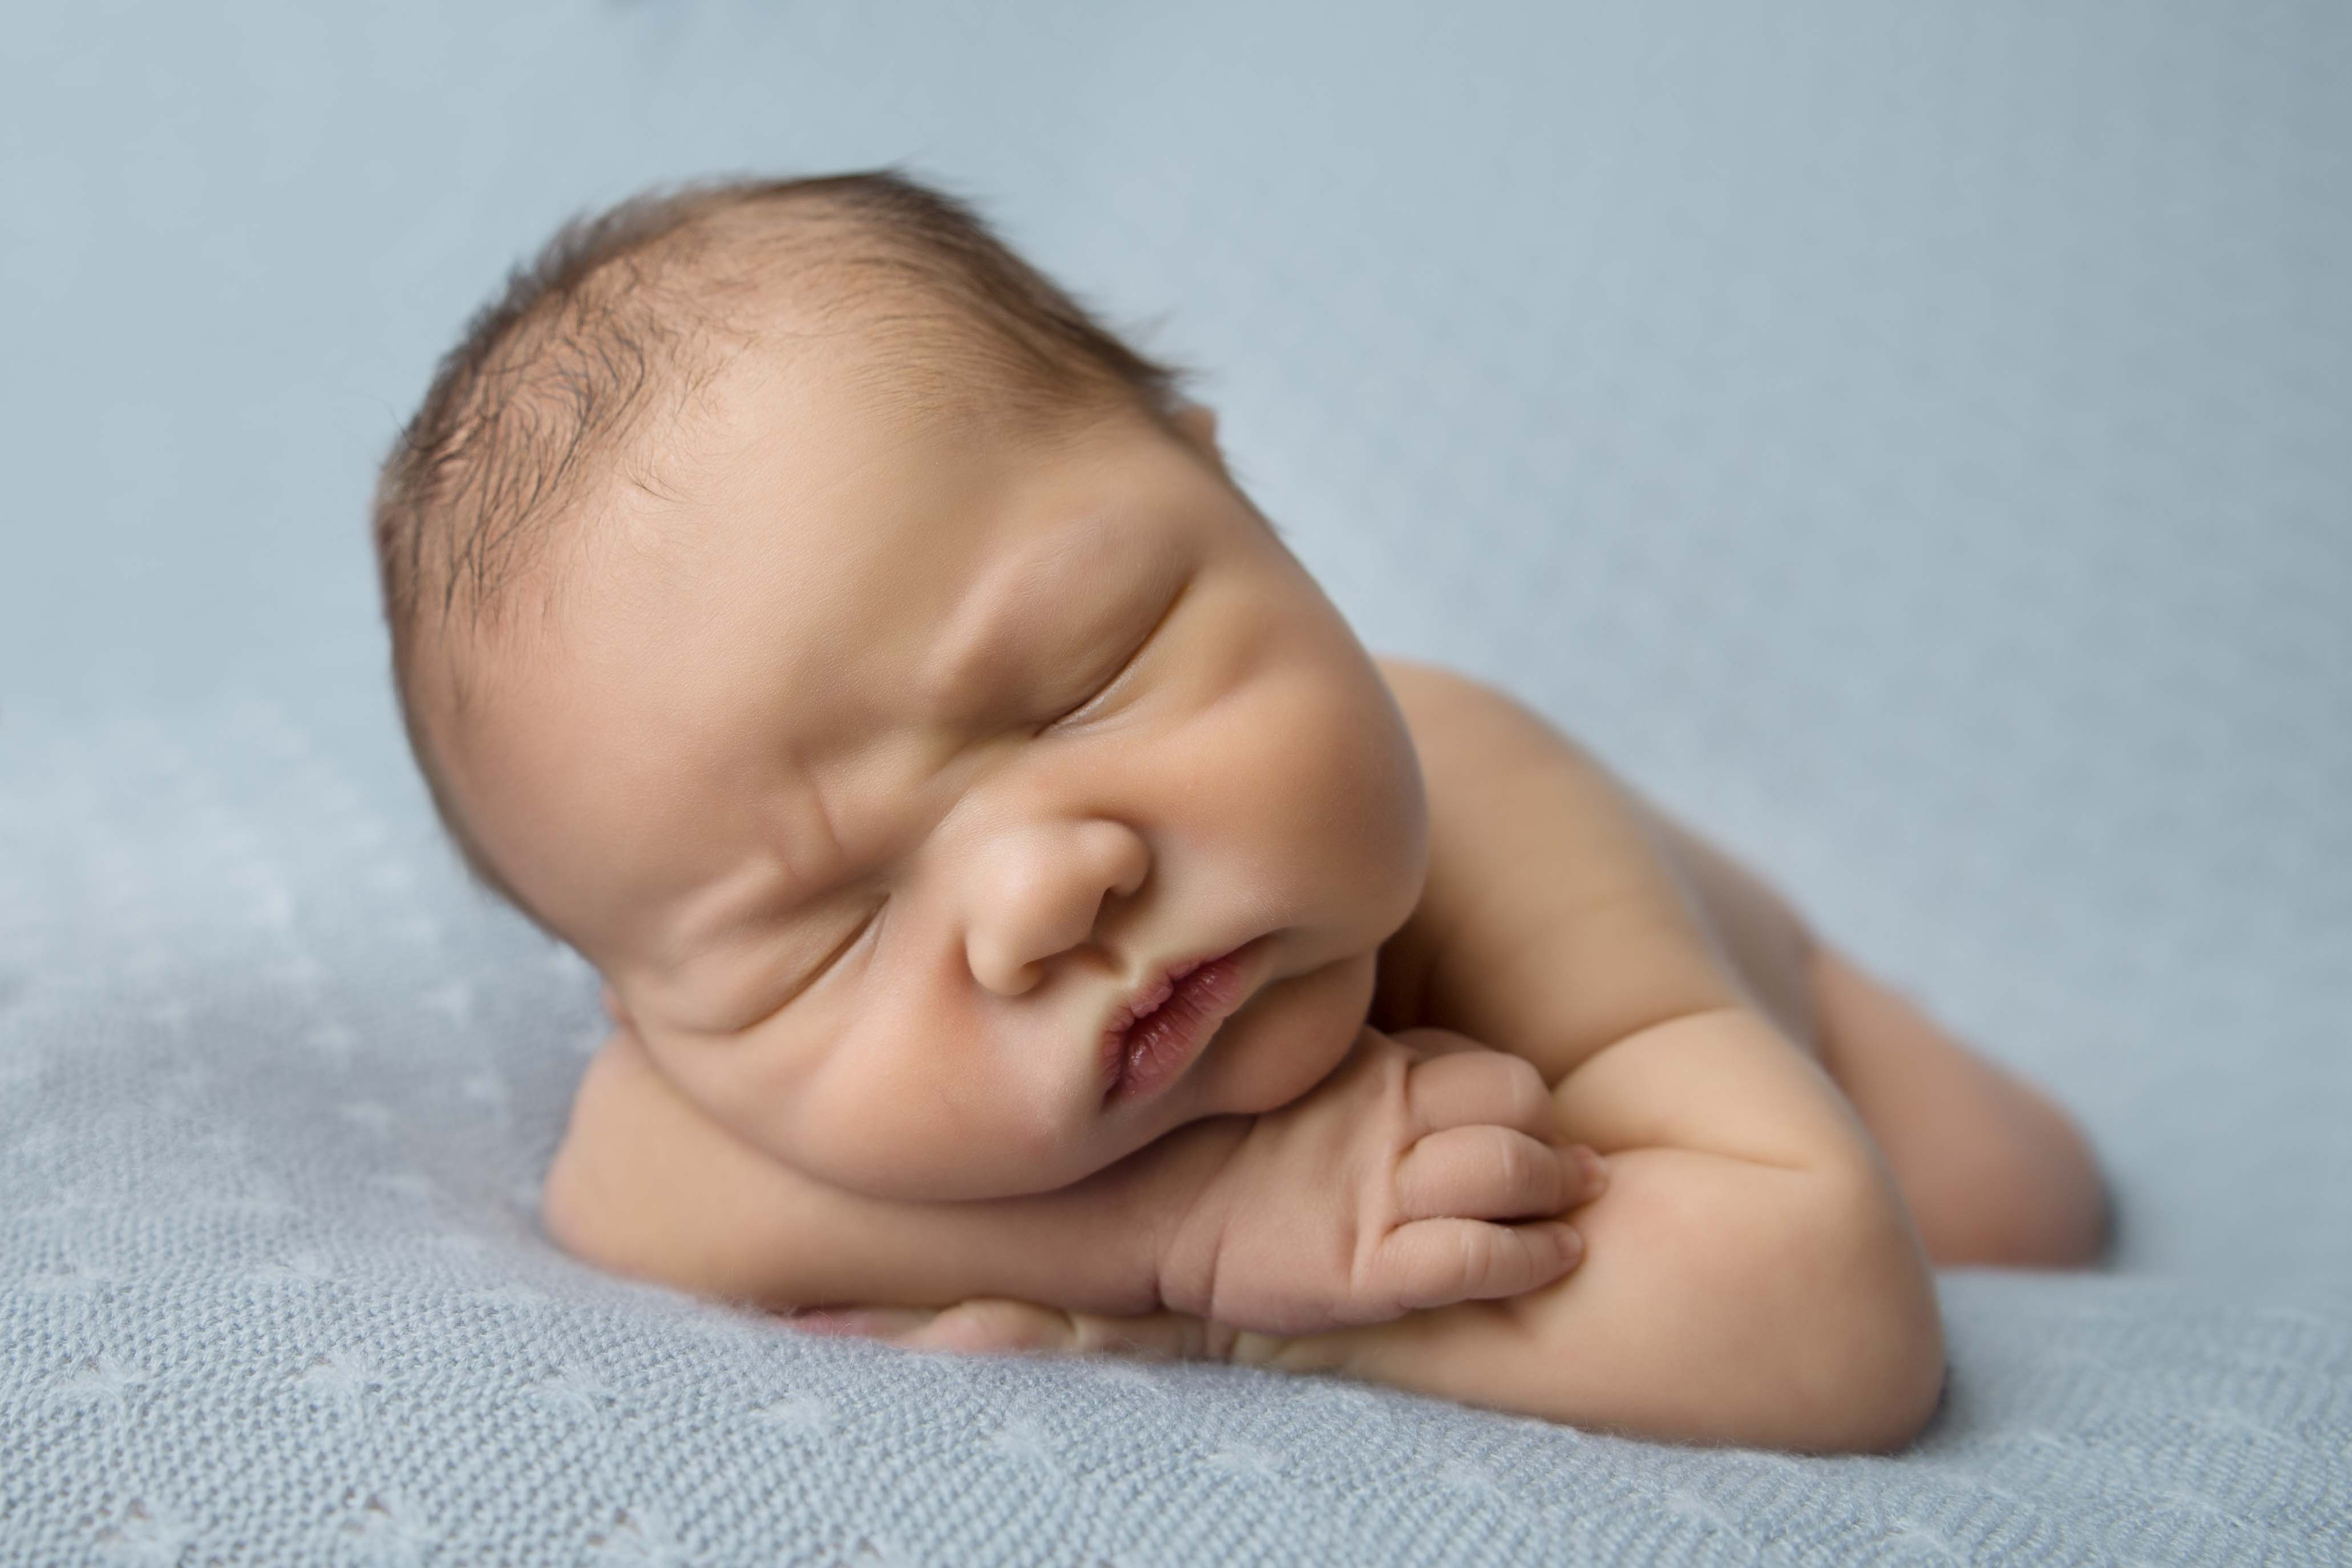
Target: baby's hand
1380	1193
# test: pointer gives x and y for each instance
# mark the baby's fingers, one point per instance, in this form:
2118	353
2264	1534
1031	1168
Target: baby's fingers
860	1322
1493	1173
985	1324
991	1323
1465	1087
1437	1262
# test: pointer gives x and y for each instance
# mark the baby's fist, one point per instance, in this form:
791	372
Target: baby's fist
1386	1189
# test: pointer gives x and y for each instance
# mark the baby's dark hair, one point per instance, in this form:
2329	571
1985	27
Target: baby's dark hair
558	384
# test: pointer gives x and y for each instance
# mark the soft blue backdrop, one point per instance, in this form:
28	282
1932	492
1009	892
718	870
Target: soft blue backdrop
1915	442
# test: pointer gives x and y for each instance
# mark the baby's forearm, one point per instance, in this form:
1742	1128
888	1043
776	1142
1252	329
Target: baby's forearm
645	1183
1750	1276
1727	1301
1721	1300
1093	1246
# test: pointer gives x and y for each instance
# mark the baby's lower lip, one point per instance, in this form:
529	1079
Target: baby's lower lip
1155	1049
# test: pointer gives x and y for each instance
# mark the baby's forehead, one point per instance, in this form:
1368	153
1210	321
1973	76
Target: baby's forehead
852	491
851	572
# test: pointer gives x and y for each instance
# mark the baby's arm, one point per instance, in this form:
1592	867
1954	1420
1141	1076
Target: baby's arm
1753	1276
647	1184
1376	1193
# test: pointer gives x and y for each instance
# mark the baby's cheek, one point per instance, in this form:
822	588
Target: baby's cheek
1297	1032
1354	802
909	1114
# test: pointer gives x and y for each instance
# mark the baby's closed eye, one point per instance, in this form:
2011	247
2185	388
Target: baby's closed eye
840	951
1127	658
735	996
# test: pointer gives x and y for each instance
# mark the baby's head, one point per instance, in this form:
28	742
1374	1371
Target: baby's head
804	609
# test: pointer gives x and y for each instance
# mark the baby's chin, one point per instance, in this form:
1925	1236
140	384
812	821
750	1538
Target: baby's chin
1299	1029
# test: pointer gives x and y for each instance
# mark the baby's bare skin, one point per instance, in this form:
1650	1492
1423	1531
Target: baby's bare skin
874	761
2002	1178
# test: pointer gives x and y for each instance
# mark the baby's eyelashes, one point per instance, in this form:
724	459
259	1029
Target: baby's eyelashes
825	965
1118	673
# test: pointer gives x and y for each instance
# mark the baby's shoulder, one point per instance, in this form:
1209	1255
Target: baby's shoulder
1425	691
1465	727
1554	905
1442	704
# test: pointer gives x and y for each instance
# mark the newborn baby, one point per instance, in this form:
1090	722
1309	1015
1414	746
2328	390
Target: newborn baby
1028	914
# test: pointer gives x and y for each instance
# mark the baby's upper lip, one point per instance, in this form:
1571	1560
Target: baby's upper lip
1154	991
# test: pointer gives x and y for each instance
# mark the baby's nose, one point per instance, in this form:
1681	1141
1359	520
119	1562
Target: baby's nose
1042	891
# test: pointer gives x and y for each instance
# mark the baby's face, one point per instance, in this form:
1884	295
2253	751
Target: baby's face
877	763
